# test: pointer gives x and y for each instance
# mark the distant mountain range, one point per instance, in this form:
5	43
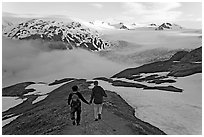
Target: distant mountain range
73	34
133	26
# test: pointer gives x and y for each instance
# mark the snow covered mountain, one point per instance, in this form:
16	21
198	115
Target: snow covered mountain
120	26
101	25
132	26
6	24
168	26
72	34
163	26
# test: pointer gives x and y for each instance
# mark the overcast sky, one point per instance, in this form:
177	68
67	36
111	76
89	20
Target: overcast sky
187	14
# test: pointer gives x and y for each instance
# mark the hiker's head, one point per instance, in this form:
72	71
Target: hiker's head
74	88
96	83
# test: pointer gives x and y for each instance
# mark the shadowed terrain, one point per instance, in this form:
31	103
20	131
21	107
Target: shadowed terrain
51	115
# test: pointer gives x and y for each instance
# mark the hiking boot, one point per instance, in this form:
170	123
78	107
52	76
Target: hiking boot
78	124
96	119
72	118
73	123
99	116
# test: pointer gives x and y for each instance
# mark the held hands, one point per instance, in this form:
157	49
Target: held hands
88	103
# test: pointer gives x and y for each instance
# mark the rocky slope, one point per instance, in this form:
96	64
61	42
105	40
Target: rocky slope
51	115
71	34
144	83
193	56
159	75
181	64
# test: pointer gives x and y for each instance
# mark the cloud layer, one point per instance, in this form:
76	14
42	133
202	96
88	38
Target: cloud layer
26	61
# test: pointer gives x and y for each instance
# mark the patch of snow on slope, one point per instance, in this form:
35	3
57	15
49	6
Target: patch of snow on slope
41	89
7	121
9	102
144	83
156	73
39	99
174	113
143	75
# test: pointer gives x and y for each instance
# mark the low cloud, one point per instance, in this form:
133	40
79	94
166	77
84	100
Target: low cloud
28	61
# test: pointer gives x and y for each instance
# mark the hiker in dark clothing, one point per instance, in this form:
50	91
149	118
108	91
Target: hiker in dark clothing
97	94
75	104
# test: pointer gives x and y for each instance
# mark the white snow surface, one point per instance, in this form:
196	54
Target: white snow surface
9	102
156	73
100	25
39	27
39	99
7	121
143	75
173	113
42	89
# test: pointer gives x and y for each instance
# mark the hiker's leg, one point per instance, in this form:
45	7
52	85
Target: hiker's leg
72	114
78	116
99	110
100	106
95	111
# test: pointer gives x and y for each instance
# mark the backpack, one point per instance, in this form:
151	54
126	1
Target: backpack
75	101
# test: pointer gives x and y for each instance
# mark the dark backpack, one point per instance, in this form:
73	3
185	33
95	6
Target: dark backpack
75	101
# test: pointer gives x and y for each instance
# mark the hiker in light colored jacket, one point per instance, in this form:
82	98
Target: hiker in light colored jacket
97	95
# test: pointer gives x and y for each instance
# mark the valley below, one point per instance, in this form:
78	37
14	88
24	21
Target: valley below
153	79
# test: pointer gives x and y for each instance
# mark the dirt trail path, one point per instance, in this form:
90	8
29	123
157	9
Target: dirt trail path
110	124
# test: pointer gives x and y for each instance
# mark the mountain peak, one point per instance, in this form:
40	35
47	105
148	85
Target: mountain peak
168	26
72	34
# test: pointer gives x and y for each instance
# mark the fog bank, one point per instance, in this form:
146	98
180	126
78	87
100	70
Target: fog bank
30	61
